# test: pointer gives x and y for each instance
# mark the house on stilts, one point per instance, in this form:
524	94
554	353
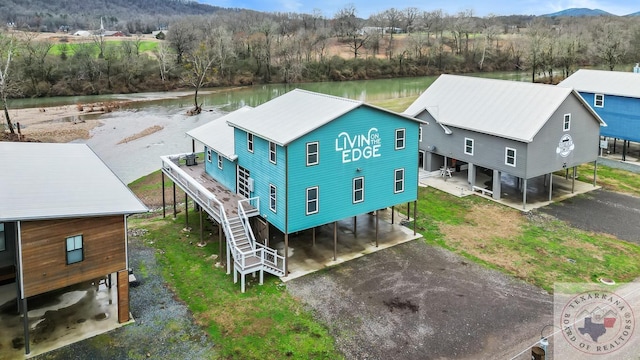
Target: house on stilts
297	162
504	132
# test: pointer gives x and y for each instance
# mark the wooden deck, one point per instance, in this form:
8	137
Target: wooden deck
195	174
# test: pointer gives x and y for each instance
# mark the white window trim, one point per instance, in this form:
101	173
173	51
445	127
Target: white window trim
404	138
250	142
273	198
419	133
317	200
395	181
473	143
317	152
354	190
566	125
506	156
208	155
220	161
81	248
273	152
595	100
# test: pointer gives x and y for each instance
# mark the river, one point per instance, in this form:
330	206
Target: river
139	157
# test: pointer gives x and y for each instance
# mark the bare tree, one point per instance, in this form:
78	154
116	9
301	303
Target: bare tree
182	37
348	26
165	59
610	42
7	84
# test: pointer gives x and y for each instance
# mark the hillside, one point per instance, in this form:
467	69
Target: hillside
579	12
50	15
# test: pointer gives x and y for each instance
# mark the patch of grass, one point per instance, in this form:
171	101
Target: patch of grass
611	179
263	323
536	248
146	46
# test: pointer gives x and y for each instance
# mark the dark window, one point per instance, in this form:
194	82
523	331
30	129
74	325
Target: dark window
399	181
272	197
313	153
312	200
250	142
358	190
272	152
400	139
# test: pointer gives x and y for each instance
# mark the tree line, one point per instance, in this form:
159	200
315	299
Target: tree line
247	47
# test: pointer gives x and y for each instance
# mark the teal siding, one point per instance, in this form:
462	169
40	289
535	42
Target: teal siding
226	176
334	177
264	173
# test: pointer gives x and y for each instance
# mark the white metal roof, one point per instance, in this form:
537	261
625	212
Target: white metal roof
48	181
293	115
218	135
508	109
604	82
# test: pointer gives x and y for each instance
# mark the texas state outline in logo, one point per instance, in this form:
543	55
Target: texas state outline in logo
597	322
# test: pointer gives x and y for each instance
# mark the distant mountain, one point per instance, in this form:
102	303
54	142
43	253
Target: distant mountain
579	12
634	14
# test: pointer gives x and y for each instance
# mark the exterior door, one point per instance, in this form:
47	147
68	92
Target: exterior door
243	182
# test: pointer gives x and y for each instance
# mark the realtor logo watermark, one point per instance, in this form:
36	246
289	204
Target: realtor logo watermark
596	321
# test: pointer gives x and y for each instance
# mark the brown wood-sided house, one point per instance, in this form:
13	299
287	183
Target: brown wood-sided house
63	221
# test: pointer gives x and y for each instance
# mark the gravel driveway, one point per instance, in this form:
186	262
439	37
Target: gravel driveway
415	301
163	328
601	211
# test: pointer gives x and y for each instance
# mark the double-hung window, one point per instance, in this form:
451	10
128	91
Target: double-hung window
598	100
419	133
220	162
312	200
273	195
273	155
209	155
358	190
400	139
398	186
566	123
75	252
313	153
468	146
250	142
510	156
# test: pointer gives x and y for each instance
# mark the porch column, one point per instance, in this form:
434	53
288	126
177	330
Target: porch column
595	172
164	210
186	209
25	321
220	239
286	254
21	294
573	179
524	194
393	213
471	176
355	225
313	236
496	185
175	212
201	228
408	213
123	295
550	186
335	240
415	215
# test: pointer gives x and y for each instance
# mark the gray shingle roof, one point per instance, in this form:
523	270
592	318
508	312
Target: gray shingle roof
47	181
508	109
604	82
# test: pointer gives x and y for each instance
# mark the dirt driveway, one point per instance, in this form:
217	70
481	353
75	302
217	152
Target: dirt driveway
415	301
601	211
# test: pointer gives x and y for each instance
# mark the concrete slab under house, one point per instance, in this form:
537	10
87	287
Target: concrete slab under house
302	163
506	136
63	226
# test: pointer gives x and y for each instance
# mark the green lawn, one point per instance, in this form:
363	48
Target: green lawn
263	323
70	48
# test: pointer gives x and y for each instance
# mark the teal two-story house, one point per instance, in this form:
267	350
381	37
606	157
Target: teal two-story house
313	159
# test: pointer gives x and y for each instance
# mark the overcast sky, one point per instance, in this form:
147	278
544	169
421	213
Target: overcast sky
480	7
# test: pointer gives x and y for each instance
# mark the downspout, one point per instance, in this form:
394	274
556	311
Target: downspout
25	312
286	211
